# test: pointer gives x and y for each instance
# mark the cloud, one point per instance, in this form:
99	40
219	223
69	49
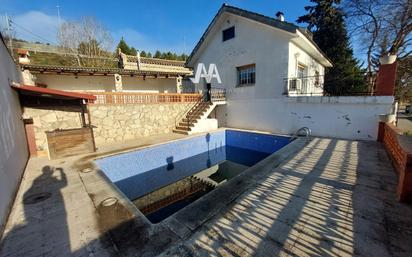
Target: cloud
147	43
36	26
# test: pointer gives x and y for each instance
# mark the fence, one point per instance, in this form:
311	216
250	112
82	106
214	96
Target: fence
142	98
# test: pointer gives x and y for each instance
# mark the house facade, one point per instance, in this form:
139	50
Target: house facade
273	73
260	57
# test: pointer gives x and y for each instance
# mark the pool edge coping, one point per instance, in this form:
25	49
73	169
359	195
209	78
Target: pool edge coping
99	187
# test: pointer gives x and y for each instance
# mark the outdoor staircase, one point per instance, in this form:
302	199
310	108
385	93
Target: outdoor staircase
192	117
196	118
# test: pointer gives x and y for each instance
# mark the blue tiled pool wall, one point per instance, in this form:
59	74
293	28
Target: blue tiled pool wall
142	171
259	142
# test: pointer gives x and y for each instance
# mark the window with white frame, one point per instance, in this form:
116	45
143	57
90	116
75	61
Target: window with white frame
246	75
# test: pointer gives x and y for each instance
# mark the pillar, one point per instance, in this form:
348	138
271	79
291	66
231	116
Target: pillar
385	81
118	86
179	84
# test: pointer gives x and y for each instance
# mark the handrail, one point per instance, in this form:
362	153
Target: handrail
180	117
305	130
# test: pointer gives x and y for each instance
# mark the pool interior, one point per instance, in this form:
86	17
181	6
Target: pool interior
159	191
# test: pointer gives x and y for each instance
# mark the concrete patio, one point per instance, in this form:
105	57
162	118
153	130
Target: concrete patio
333	198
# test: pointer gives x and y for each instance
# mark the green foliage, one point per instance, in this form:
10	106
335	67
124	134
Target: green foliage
157	54
124	47
326	21
133	51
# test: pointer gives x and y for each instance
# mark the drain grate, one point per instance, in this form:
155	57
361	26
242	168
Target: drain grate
36	198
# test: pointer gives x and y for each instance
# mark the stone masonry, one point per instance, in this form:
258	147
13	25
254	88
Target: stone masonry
111	123
51	119
116	123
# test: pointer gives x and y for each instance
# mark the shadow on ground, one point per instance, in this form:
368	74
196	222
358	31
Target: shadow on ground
333	198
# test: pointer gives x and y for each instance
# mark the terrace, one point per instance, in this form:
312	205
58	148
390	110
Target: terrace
247	164
317	196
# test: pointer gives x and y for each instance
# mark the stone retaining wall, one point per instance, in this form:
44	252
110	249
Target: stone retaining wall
51	119
111	123
116	123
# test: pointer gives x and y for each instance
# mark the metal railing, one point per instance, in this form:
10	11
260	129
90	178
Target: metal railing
356	84
214	95
142	98
218	94
179	118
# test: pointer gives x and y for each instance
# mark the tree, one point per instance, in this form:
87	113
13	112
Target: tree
123	46
143	54
133	51
326	21
157	54
149	54
403	89
88	41
378	22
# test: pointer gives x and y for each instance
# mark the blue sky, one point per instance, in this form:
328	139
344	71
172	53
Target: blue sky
147	25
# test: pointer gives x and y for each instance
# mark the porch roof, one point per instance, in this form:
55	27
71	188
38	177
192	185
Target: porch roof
52	93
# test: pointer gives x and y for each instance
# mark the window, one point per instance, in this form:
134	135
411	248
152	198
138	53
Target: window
228	33
317	79
301	71
246	75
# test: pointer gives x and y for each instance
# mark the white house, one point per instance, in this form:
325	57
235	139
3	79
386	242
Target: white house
272	72
259	56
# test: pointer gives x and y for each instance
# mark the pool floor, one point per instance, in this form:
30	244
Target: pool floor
219	165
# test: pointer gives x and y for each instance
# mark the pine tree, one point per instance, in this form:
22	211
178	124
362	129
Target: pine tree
143	54
326	22
157	54
133	51
124	47
149	54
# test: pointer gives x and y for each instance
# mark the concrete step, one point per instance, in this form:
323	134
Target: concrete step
185	124
184	128
180	131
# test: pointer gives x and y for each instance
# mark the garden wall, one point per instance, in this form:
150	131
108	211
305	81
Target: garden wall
354	117
13	146
116	123
111	123
399	149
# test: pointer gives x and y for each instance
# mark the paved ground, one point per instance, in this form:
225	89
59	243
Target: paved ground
334	198
404	122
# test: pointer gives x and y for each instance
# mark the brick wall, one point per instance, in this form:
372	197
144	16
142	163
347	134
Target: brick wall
385	82
399	148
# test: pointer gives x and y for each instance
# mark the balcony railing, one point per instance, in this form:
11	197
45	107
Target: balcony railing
356	84
218	94
142	98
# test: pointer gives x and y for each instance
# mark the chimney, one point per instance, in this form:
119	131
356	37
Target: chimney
280	16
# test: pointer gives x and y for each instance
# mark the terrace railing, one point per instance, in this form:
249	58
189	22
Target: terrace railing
356	84
142	98
217	94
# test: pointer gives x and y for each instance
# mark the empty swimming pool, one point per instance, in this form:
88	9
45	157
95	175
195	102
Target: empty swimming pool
162	179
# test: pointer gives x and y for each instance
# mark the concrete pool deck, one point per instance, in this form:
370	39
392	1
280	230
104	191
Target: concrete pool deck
332	198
